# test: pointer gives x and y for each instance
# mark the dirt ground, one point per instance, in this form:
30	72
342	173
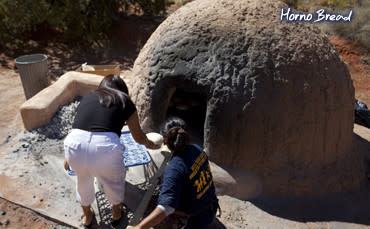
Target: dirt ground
123	49
11	99
358	62
16	216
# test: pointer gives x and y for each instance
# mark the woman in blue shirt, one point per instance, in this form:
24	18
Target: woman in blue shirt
187	187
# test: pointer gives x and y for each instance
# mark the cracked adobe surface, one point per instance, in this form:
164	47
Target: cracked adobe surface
279	98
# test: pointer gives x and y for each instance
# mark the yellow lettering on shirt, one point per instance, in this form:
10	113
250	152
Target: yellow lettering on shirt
204	190
208	175
197	164
198	185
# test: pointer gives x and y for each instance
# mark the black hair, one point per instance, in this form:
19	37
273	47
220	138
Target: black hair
175	133
112	90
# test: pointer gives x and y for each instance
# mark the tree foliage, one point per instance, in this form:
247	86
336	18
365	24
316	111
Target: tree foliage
75	19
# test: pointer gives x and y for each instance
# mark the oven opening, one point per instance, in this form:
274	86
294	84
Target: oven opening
192	108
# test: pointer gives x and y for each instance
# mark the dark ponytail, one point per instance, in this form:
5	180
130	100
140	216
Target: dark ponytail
176	135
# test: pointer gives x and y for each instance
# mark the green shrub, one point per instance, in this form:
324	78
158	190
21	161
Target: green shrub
17	18
77	20
83	19
148	7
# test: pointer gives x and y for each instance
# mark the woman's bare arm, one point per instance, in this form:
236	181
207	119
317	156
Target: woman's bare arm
153	219
137	133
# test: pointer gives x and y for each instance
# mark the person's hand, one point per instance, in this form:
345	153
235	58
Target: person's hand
66	165
133	227
154	140
151	145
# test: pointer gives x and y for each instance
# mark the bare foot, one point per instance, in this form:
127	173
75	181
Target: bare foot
66	165
88	215
116	211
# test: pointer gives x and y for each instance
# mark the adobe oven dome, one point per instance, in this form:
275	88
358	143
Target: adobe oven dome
278	100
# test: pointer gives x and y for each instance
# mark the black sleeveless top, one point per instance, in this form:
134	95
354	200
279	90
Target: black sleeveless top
94	117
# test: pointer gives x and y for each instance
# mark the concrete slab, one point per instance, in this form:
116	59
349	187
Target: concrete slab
38	181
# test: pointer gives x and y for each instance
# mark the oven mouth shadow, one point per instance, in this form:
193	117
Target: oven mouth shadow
192	108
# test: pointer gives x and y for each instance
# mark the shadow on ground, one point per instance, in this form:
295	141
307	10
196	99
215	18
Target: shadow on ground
350	207
216	224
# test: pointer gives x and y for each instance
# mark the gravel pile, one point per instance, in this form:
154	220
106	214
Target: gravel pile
61	123
52	134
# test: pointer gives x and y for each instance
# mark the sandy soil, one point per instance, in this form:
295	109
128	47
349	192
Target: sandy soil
358	62
236	214
11	99
16	216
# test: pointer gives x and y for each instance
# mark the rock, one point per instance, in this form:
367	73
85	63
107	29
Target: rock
279	98
49	136
25	138
7	139
15	150
60	124
7	222
3	212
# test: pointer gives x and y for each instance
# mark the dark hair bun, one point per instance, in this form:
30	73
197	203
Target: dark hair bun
175	133
182	139
173	122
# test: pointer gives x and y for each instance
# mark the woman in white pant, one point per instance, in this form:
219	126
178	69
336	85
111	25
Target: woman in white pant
93	148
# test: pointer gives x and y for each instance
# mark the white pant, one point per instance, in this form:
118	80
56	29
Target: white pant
100	155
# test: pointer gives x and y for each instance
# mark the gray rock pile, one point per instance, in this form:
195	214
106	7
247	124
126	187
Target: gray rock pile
52	134
61	123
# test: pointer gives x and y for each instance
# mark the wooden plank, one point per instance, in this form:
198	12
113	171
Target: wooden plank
102	70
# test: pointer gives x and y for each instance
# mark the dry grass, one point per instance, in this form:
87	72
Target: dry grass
357	30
